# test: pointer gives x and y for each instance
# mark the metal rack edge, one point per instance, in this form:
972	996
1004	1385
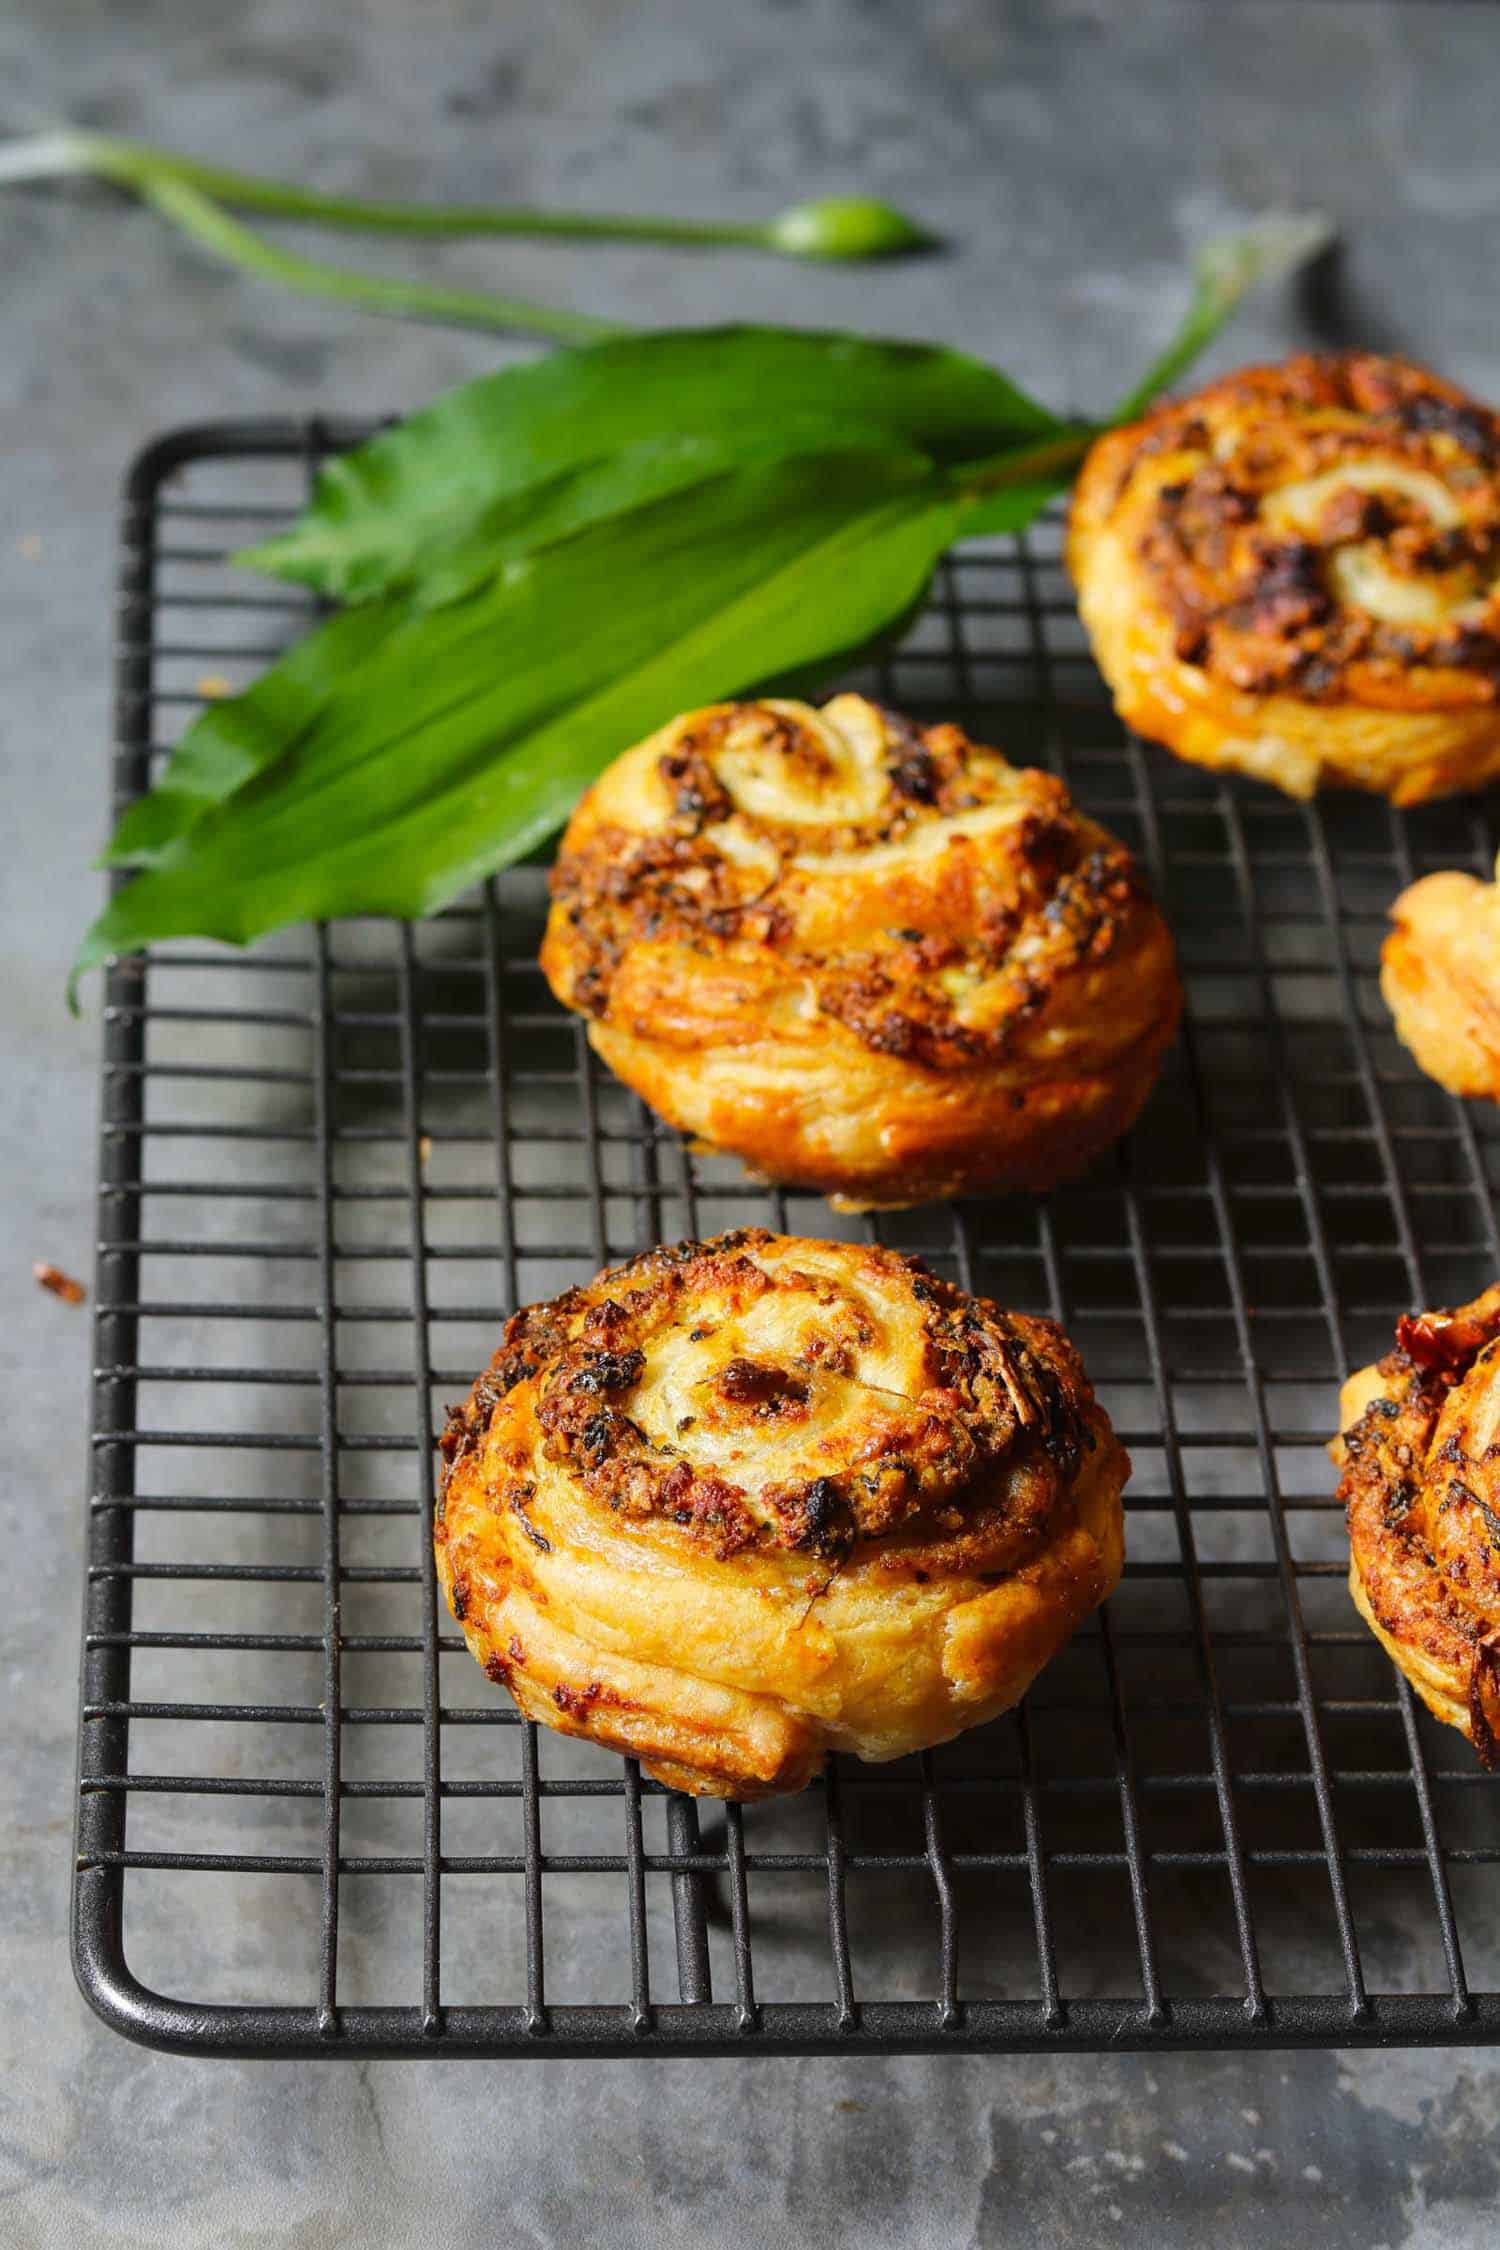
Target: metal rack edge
167	2024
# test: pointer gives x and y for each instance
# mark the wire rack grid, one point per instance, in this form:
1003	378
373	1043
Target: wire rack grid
307	1824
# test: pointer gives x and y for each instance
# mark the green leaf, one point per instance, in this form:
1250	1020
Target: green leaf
436	744
507	463
550	562
514	462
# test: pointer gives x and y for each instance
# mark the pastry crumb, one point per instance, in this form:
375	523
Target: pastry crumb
60	1284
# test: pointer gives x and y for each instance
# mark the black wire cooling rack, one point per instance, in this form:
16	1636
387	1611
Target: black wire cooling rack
307	1824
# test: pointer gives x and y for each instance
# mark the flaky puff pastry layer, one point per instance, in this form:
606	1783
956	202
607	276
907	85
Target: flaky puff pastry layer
739	1503
867	957
1440	974
1420	1452
1296	573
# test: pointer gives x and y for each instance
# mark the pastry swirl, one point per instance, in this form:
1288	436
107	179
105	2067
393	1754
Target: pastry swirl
740	1502
1420	1453
1296	573
868	957
1440	974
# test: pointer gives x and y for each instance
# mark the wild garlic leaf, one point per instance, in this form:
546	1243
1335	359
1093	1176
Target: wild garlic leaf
508	465
436	744
547	563
233	740
504	465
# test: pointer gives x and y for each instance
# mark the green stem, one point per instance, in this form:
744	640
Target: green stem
1223	272
240	246
1030	464
136	166
1203	322
140	167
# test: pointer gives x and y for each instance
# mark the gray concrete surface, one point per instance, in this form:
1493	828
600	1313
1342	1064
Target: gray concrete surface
1072	151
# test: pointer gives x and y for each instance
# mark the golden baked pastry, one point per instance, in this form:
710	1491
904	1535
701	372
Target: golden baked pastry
741	1502
1440	974
1296	573
1421	1487
868	957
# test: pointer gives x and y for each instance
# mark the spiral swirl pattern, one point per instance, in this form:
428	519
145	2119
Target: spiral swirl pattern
1420	1452
740	1501
1297	572
869	957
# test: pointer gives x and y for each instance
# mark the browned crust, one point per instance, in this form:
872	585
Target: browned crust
1421	1488
990	1012
739	1501
1440	975
1240	581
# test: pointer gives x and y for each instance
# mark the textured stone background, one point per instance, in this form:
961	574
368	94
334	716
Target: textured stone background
1072	150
